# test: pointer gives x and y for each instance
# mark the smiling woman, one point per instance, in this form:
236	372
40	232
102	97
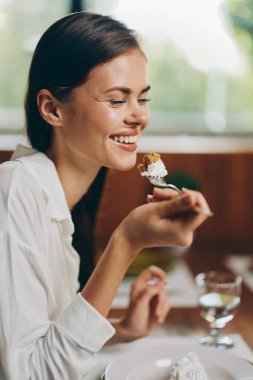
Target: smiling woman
87	88
111	103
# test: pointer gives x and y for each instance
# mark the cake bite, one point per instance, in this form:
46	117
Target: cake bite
152	166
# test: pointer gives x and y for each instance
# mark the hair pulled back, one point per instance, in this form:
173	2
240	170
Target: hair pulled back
63	58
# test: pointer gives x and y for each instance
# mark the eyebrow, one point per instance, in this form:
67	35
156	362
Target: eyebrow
127	90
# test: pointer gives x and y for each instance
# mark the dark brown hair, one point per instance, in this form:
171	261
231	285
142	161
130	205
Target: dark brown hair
63	58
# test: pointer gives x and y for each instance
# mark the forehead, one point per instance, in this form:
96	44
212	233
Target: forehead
127	69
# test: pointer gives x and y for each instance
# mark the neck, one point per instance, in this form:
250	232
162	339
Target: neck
75	179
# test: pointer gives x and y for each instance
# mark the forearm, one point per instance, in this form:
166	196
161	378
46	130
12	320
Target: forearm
101	288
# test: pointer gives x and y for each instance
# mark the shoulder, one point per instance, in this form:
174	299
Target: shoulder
17	180
21	195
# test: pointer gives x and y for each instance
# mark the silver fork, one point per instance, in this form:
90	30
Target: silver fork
160	182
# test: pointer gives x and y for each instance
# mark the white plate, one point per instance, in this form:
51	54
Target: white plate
152	363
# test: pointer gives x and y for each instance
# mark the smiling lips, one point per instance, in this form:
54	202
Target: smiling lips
127	143
125	139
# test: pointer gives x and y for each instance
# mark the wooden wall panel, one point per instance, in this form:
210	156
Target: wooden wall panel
226	180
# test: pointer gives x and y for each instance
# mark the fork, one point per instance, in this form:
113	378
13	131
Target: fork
160	182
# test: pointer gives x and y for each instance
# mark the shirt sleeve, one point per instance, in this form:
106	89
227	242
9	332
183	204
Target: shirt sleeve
32	346
35	343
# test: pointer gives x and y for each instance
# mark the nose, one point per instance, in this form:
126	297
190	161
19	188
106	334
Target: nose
138	116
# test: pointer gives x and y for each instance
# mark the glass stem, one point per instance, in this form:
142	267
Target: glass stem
216	331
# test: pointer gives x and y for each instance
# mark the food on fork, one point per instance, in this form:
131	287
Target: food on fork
152	166
154	169
188	368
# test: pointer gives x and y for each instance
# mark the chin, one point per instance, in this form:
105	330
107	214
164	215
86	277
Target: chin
125	163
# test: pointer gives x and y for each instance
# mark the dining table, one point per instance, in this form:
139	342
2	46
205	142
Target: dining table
183	324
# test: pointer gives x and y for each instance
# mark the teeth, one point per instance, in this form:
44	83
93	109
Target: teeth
125	139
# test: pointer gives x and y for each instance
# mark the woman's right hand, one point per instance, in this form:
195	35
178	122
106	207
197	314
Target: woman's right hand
167	222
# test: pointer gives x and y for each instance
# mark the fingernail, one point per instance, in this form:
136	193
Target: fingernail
149	198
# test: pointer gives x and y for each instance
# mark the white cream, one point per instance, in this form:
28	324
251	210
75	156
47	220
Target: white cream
188	368
156	169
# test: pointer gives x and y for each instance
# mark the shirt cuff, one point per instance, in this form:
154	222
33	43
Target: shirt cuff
85	325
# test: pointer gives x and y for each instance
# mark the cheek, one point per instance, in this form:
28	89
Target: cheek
112	114
105	121
91	123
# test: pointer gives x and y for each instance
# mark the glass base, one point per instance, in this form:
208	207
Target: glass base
219	341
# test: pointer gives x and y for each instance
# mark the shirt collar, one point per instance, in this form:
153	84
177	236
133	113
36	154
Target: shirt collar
45	173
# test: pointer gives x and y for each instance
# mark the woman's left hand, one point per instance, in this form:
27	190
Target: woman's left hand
149	304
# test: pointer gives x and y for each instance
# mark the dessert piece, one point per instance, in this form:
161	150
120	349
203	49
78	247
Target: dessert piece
189	367
152	166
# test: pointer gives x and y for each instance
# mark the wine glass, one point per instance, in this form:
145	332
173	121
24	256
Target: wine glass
219	298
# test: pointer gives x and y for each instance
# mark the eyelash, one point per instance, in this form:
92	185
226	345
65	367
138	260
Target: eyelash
119	102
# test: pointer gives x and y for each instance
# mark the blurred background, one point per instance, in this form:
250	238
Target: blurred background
200	55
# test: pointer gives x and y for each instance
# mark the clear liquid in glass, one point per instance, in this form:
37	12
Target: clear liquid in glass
217	308
219	298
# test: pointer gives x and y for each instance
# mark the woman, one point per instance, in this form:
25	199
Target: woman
86	107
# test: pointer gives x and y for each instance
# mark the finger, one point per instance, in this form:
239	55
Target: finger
197	196
163	306
176	205
150	276
193	202
144	299
150	198
201	205
151	272
164	194
161	194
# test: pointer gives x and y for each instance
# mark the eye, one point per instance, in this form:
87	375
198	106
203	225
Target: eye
117	102
143	100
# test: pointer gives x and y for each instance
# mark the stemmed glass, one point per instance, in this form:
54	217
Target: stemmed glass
219	298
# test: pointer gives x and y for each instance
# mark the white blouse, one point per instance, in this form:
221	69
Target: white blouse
47	330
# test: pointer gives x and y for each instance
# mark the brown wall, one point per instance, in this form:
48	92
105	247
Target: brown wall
225	179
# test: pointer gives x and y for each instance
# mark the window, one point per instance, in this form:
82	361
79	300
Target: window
200	57
21	24
201	62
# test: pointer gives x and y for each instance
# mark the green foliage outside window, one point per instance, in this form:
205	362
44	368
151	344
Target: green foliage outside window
177	88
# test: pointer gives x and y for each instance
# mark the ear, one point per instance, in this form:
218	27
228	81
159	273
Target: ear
49	108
